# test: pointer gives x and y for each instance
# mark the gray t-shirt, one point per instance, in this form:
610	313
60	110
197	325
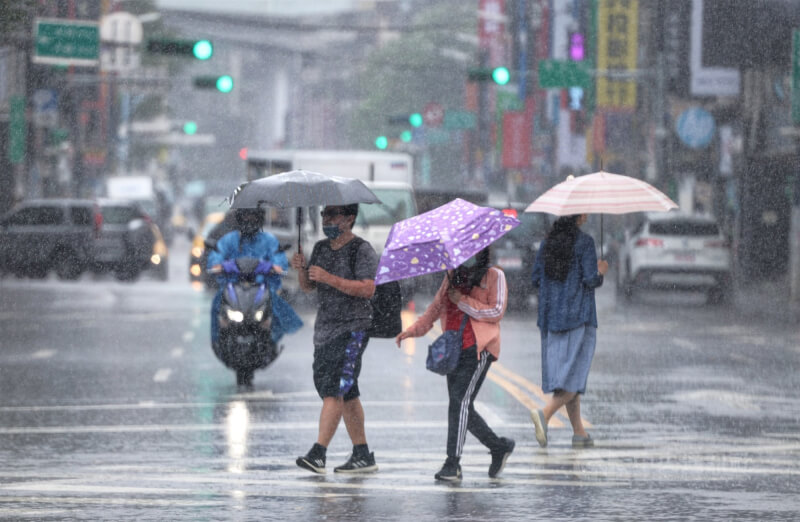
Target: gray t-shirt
340	313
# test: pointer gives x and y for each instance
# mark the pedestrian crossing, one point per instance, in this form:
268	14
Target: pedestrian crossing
243	461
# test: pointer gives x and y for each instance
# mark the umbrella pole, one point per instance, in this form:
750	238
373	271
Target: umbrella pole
602	256
299	229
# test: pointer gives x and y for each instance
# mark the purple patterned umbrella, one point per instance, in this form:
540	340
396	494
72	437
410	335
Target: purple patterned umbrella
440	239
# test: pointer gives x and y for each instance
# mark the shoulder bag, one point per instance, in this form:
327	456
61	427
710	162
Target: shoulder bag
443	354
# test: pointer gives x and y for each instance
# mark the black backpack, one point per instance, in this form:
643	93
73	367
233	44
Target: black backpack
387	303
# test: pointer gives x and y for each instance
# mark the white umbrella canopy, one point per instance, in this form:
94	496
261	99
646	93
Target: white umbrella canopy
601	193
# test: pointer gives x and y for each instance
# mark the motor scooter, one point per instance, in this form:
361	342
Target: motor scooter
245	318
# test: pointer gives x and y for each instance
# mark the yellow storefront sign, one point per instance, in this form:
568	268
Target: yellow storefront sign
617	41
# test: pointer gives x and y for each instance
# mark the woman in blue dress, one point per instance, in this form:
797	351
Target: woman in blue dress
566	272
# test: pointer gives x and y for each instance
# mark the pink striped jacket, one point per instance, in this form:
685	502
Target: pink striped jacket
485	305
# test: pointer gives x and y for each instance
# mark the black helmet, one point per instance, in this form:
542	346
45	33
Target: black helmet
249	220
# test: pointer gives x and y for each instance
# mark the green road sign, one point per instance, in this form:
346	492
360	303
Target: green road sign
18	129
796	76
455	120
66	42
561	74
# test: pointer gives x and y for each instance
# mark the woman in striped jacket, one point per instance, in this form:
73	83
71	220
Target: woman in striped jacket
478	291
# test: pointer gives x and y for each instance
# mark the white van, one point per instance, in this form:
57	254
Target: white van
389	175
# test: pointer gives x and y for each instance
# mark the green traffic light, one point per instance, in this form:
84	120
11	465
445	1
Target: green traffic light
189	128
501	75
225	83
202	50
405	136
415	119
381	142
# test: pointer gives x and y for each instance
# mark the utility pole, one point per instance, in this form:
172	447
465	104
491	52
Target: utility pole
483	125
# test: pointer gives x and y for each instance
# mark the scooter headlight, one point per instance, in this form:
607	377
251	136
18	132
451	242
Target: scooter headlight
258	316
235	315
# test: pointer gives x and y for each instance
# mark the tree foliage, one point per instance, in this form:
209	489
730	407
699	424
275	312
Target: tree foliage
418	68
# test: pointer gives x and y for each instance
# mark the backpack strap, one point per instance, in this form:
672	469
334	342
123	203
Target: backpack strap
354	248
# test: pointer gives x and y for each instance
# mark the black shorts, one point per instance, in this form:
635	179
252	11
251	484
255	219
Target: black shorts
337	365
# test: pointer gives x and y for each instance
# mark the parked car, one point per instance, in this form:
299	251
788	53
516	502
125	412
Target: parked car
516	251
214	227
676	251
129	242
44	234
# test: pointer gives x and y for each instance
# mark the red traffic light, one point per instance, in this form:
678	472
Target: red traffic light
243	153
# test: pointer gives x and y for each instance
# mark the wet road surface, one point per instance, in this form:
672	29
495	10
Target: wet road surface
112	406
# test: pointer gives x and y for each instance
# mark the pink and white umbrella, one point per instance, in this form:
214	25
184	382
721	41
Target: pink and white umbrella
601	193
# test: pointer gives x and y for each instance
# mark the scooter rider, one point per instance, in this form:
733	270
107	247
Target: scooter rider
248	240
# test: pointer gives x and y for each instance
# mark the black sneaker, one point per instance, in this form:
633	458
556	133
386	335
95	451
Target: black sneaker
500	456
312	462
361	464
450	472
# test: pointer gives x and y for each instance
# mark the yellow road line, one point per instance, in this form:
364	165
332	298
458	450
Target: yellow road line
504	382
533	388
521	396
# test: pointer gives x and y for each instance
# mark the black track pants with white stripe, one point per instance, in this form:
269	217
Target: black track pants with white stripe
463	385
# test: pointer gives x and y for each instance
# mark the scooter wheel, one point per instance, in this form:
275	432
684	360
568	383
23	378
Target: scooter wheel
244	377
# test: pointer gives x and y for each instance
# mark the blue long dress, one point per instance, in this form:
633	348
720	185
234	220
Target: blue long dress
568	318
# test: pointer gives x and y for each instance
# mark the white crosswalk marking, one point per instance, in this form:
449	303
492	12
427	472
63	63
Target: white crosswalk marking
162	375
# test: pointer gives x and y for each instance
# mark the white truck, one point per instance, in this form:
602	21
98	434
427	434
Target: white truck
389	175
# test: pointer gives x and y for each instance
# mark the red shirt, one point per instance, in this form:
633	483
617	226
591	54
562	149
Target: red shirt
453	322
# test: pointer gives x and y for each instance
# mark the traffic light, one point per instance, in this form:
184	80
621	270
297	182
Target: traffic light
499	75
189	128
381	142
200	49
222	83
406	136
414	119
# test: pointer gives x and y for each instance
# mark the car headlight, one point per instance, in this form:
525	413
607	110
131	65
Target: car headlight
197	252
258	316
235	315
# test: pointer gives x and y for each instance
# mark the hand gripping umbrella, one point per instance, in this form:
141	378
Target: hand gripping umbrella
440	239
301	188
601	193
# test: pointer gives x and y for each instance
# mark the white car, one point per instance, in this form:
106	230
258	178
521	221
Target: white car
676	251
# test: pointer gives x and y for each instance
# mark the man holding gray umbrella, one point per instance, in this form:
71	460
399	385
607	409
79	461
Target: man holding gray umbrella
341	269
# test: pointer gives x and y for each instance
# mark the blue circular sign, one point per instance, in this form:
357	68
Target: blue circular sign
695	127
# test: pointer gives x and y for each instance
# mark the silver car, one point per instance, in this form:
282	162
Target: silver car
125	243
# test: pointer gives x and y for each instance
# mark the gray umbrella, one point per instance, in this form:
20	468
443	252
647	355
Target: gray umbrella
301	188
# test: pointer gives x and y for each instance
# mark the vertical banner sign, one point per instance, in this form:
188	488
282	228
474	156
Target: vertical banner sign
491	30
517	131
796	76
617	39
